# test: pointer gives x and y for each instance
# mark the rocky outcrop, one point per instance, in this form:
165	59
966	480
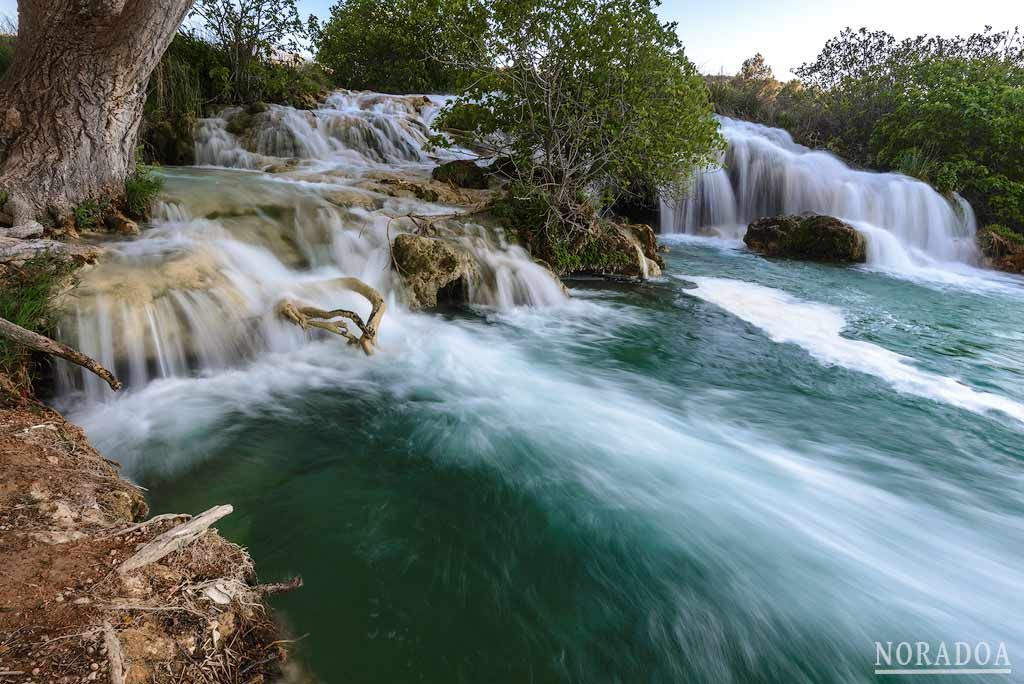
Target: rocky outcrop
811	237
435	271
461	173
427	190
1002	249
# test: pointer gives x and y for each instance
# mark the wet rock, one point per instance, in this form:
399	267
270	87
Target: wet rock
811	237
170	141
1002	249
117	222
461	173
435	271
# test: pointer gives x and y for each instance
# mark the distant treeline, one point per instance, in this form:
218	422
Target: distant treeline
949	111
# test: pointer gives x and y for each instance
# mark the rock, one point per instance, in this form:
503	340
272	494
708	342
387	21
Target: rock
811	237
1002	249
284	167
171	141
119	223
434	270
240	124
461	173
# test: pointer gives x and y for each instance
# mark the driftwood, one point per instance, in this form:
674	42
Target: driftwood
31	340
174	539
113	645
280	587
307	317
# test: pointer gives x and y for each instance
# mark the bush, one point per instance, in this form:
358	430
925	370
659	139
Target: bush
89	214
402	46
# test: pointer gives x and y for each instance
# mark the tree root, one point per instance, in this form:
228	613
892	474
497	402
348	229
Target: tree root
307	317
31	340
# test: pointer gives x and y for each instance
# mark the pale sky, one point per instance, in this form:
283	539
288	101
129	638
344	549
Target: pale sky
720	34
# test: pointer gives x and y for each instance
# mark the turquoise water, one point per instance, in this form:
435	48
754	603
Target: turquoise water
694	479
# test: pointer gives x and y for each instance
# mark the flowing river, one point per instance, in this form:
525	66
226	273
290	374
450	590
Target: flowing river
747	470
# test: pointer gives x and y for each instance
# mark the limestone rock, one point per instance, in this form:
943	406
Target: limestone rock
811	237
434	270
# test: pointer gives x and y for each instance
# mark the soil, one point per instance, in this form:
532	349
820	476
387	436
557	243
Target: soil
67	522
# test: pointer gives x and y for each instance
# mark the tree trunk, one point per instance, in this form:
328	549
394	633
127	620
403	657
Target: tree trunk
71	102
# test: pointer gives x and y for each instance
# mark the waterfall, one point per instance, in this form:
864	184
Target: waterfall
299	205
764	173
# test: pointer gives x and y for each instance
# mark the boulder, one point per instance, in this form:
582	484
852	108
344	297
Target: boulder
461	173
1002	249
435	271
811	237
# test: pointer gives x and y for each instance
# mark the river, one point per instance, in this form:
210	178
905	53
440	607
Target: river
746	470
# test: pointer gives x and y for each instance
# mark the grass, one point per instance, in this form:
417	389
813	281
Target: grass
140	190
27	295
89	214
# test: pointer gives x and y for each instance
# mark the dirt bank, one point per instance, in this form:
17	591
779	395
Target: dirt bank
72	610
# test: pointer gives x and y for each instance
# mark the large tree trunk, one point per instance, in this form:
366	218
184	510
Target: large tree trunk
71	102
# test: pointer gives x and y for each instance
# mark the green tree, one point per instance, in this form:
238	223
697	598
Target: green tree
590	100
401	46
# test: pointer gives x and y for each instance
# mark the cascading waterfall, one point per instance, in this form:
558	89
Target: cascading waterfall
196	292
765	173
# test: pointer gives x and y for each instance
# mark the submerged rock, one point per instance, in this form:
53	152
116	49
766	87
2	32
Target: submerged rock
812	237
435	271
1002	249
461	173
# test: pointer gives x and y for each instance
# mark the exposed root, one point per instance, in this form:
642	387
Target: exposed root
307	317
32	340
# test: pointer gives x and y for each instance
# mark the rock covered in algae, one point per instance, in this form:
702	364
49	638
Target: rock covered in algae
812	237
435	271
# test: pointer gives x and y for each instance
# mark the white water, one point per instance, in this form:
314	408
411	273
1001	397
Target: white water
817	328
196	292
764	173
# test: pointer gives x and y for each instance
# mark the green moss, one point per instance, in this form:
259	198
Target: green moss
140	190
240	124
27	297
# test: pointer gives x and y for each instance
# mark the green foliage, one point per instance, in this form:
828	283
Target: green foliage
402	46
593	100
27	297
89	213
1005	232
140	190
7	43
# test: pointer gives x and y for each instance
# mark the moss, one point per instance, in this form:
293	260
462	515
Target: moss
240	124
27	295
140	190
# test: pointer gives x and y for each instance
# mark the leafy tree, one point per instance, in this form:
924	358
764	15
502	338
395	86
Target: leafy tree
589	100
250	33
401	46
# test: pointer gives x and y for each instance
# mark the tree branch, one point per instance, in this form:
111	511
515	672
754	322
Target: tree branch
31	340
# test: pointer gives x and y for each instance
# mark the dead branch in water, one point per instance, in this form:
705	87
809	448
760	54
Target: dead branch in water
307	317
32	340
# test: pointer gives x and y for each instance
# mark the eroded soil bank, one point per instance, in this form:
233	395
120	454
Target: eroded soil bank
71	611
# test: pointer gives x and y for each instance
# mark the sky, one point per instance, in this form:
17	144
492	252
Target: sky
720	34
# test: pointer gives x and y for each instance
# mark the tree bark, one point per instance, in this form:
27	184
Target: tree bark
71	102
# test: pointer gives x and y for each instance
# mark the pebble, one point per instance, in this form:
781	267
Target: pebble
35	672
93	666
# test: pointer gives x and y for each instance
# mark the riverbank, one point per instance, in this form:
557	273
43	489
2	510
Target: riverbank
72	608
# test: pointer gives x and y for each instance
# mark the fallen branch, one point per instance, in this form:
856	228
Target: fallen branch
280	587
31	340
174	539
311	317
113	645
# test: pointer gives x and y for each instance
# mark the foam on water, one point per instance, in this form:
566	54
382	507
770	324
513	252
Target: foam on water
818	328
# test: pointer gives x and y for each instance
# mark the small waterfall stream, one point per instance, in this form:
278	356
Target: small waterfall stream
300	204
765	173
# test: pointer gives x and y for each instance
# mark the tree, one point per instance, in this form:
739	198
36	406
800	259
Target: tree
249	32
590	100
71	102
402	46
